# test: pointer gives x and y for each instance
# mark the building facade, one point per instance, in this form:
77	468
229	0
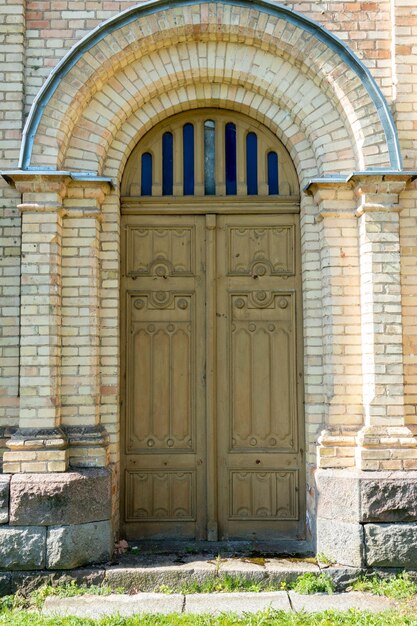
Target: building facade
209	276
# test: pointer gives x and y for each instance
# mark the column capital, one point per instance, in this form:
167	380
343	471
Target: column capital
328	188
378	194
35	183
375	190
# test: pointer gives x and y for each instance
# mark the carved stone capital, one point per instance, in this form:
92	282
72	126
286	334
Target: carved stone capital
33	182
87	436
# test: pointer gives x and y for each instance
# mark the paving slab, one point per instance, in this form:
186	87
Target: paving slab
236	602
213	603
317	602
99	606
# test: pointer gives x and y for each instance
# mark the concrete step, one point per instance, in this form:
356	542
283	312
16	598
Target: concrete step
214	604
147	572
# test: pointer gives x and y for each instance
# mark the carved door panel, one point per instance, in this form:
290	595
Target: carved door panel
164	426
259	364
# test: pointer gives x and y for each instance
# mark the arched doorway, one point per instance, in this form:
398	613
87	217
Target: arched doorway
284	71
213	435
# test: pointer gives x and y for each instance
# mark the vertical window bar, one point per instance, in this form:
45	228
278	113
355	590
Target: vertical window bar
167	164
209	158
252	164
188	159
230	149
273	180
146	174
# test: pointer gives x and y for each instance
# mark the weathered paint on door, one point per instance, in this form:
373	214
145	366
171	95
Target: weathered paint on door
212	432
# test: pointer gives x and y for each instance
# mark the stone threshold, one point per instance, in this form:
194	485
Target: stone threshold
146	572
212	603
140	571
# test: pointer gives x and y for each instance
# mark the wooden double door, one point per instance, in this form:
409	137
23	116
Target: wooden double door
212	429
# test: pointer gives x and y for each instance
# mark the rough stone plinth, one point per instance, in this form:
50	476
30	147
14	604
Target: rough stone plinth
74	546
356	496
4	498
65	498
341	542
391	545
22	548
338	495
353	505
391	500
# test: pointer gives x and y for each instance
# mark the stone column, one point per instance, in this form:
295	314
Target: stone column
39	444
58	519
340	324
384	442
88	439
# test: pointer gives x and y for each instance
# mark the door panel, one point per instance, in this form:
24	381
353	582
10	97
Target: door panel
258	361
212	429
164	434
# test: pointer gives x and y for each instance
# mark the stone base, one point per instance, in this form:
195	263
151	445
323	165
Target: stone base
367	519
88	446
55	521
36	450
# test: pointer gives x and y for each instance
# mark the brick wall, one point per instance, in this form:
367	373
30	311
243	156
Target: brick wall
12	58
33	38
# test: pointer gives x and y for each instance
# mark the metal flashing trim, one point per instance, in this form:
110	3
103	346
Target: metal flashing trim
346	178
129	15
9	175
385	172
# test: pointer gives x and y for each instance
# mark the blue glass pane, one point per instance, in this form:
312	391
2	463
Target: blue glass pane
209	158
188	159
273	184
146	177
252	163
230	142
167	164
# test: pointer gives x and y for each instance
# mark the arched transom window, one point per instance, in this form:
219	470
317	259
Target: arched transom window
209	152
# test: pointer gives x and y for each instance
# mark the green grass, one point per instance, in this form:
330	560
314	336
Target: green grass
309	583
19	611
224	583
68	590
323	559
400	587
264	618
306	583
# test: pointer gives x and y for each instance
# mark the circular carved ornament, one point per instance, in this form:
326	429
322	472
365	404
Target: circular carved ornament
182	303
